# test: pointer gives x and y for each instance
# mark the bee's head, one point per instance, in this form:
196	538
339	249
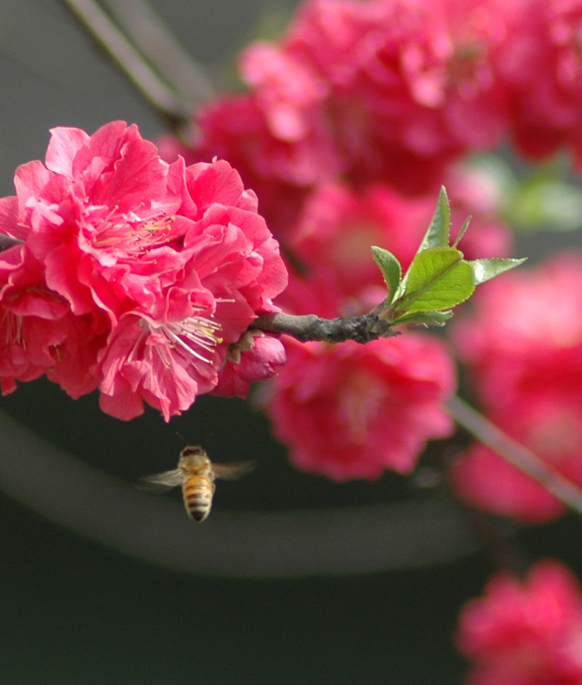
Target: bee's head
194	457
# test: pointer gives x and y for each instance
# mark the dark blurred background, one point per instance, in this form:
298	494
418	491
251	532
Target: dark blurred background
74	610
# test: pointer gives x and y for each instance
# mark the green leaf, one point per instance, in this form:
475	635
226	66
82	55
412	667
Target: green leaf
485	269
437	279
437	234
390	268
462	232
425	318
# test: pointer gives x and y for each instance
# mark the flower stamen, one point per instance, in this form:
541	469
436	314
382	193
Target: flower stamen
129	232
198	331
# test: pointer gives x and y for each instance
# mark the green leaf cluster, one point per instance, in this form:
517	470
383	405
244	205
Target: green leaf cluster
439	277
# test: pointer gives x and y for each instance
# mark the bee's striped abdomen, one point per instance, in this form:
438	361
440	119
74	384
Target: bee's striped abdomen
198	492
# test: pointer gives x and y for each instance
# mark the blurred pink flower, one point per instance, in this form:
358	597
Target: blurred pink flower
383	91
354	411
411	84
525	633
338	226
523	346
542	69
280	169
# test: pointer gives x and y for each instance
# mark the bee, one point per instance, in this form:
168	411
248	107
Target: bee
196	474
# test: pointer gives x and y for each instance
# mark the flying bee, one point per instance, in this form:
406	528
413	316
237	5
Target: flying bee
196	474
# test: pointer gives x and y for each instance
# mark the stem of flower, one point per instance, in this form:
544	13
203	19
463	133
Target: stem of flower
515	453
102	30
362	329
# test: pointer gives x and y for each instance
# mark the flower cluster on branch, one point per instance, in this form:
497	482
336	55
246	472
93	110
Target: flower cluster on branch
132	275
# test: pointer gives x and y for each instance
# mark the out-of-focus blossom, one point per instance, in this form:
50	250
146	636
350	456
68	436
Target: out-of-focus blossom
174	259
281	171
523	346
525	633
338	226
412	84
354	411
542	68
383	91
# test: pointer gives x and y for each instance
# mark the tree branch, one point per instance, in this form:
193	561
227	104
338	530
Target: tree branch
115	45
156	42
362	329
516	454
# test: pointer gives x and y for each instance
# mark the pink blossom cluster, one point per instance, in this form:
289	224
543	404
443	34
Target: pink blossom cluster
393	91
525	633
389	90
354	411
134	276
523	347
541	70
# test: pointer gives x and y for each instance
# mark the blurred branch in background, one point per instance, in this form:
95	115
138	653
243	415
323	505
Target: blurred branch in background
151	65
150	34
290	544
515	453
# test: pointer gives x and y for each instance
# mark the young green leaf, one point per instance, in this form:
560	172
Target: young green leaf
462	232
425	318
390	268
437	279
485	269
437	234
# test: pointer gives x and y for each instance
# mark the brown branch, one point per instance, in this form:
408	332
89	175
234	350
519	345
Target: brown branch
362	329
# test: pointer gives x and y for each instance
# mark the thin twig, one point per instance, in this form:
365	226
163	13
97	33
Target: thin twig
156	42
515	453
362	329
109	38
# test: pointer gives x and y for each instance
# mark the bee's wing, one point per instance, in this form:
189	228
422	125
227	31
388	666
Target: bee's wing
233	470
161	482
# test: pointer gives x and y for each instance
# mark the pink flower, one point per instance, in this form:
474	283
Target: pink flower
542	68
379	91
353	411
525	633
255	357
98	205
39	333
412	84
146	271
231	270
280	168
338	226
523	346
